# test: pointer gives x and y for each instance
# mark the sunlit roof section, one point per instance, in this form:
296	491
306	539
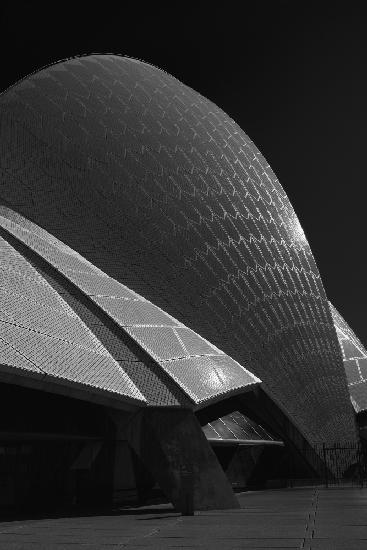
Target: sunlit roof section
354	359
200	369
41	334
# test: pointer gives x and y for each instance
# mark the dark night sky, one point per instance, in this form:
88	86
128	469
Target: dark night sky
293	74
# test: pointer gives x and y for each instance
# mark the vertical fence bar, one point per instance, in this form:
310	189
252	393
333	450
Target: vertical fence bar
325	466
360	466
344	464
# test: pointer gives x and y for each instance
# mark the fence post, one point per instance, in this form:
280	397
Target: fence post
290	480
187	493
325	466
360	465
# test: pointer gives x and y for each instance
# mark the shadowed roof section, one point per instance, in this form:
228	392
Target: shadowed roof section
201	370
164	193
354	359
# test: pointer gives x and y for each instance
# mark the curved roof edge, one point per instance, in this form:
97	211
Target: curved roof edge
354	359
201	370
75	58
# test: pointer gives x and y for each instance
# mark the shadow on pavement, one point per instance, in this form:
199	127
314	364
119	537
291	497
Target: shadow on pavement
21	515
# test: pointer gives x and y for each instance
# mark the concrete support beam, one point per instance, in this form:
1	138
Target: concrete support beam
259	406
172	446
239	462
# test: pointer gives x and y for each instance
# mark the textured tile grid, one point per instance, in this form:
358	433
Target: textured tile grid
157	389
355	361
10	356
165	193
187	358
41	333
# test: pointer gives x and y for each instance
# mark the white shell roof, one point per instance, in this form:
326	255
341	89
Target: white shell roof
41	334
354	359
50	336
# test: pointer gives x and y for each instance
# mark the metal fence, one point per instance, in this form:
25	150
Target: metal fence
81	471
340	464
345	464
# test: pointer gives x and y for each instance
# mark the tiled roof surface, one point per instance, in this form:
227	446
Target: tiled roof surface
161	190
355	361
39	332
201	370
156	388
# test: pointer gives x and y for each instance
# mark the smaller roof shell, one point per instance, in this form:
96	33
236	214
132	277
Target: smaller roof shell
355	361
202	371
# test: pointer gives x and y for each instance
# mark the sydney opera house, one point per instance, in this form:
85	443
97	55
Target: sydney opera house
163	321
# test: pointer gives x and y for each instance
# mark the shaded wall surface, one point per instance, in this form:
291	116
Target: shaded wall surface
188	472
55	451
79	454
160	189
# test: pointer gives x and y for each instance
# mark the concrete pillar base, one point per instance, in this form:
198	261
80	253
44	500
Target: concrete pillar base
172	446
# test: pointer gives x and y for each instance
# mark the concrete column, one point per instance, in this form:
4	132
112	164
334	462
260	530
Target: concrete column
259	406
173	447
238	462
125	487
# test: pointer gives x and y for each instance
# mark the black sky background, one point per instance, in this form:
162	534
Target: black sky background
292	74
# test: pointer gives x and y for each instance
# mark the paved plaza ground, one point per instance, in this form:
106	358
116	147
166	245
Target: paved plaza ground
309	518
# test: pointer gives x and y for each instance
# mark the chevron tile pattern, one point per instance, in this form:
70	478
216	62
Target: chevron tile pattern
41	334
355	361
201	370
163	192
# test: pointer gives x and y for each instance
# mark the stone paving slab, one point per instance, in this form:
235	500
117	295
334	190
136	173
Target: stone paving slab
312	518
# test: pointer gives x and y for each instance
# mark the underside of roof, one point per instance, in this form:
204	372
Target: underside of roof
236	428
